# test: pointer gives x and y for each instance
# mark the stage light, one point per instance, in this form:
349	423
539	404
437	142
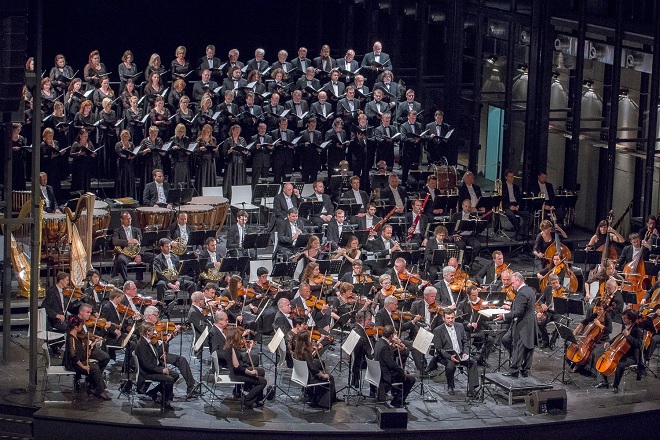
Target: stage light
498	29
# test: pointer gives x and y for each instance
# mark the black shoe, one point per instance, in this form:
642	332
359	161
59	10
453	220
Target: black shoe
153	395
615	390
470	394
270	392
602	385
510	374
194	393
524	374
451	391
168	406
76	384
483	363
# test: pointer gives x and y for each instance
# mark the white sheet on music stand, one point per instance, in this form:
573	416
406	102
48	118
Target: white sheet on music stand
423	340
350	342
278	338
212	191
308	190
254	265
128	337
200	341
489	313
299	269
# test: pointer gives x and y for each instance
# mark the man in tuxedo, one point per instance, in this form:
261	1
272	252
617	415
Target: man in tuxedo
390	371
438	145
384	142
233	82
298	113
519	340
47	194
167	260
212	254
440	240
411	153
383	248
445	296
258	62
232	63
434	205
308	80
301	62
196	316
334	87
348	66
541	187
180	230
470	190
377	61
407	106
228	113
394	194
121	324
236	236
322	111
122	237
511	200
376	109
327	209
310	151
282	63
155	193
337	147
56	304
335	228
217	338
630	252
285	200
487	273
468	237
391	90
363	350
422	306
260	153
356	195
348	109
287	234
418	224
210	62
452	349
369	220
283	153
476	325
204	86
153	367
251	117
283	316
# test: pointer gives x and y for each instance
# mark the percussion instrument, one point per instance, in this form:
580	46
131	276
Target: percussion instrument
100	204
100	222
154	218
19	198
199	216
446	175
53	227
220	205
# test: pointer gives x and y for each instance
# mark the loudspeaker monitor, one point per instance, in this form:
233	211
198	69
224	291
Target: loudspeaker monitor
541	402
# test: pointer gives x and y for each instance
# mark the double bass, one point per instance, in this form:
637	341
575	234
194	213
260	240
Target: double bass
635	274
579	352
557	247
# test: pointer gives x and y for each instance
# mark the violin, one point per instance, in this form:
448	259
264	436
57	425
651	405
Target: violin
397	344
145	301
364	278
98	322
98	288
436	308
410	277
72	292
165	326
297	311
323	279
159	336
501	268
246	291
559	293
397	292
510	293
406	316
314	302
317	336
372	331
125	310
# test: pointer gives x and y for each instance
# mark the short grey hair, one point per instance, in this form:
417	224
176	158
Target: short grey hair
447	270
390	299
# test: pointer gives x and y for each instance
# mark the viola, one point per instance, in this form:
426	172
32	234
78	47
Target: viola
372	331
72	292
406	316
98	322
410	277
314	302
146	301
124	310
317	336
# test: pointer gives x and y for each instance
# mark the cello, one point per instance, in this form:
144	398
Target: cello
557	247
635	273
579	352
607	363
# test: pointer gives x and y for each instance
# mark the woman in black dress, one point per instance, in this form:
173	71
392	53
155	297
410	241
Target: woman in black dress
180	67
134	115
236	158
94	70
48	96
85	118
127	69
150	154
107	124
60	75
205	113
254	377
125	166
160	117
128	93
153	90
321	396
51	159
185	116
73	98
207	151
76	358
105	91
84	160
174	96
155	65
180	156
62	133
18	155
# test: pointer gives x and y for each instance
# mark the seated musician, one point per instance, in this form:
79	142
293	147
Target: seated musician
445	296
283	316
214	256
287	234
369	220
76	358
650	231
335	228
153	367
386	316
262	303
122	322
287	199
235	310
492	270
382	248
47	192
431	210
349	253
318	318
602	232
347	303
57	304
313	276
327	210
471	191
391	371
403	278
543	241
557	267
217	338
363	350
476	325
613	299
126	240
155	193
198	316
357	275
468	237
97	352
181	363
299	324
511	200
166	270
428	309
600	275
307	350
236	235
452	346
602	320
131	299
440	240
633	335
418	224
542	188
394	194
630	252
545	312
356	195
312	252
179	233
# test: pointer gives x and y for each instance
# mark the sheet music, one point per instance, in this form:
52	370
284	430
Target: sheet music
275	342
489	313
423	340
200	341
128	336
350	342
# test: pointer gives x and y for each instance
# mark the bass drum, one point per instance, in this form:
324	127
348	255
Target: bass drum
447	177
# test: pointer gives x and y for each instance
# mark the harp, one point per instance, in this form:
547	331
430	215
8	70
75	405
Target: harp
19	260
79	227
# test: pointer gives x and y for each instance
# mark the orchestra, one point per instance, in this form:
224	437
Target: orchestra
386	264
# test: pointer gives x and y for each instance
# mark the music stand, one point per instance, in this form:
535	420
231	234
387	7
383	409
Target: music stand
567	335
265	190
198	238
329	266
350	208
179	196
193	267
363	289
229	264
362	237
302	240
281	270
310	208
256	241
199	345
441	256
379	181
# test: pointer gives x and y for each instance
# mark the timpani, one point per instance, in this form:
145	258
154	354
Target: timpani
154	218
220	205
200	217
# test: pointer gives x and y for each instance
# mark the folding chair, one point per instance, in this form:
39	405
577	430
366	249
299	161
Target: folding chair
300	375
147	381
43	334
223	379
52	370
373	375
